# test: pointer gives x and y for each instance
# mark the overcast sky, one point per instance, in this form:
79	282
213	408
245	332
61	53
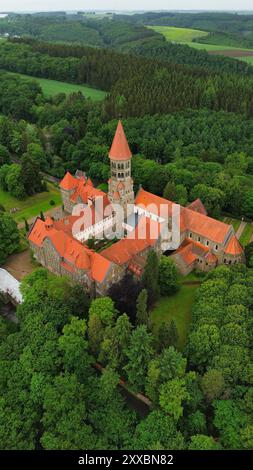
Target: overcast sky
46	5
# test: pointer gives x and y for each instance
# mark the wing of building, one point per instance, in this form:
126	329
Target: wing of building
102	236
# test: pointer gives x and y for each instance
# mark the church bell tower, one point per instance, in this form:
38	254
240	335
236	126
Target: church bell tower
120	190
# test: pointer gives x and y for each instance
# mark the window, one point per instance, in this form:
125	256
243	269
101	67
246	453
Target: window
225	260
216	247
207	243
190	235
198	239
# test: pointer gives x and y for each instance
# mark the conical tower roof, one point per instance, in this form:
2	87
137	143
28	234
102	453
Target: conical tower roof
120	149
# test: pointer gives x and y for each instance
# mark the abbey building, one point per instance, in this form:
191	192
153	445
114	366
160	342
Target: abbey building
77	246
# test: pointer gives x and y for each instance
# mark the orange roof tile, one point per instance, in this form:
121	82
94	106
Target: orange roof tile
99	267
49	221
206	226
120	149
189	219
144	198
144	236
68	182
186	253
234	247
69	249
197	206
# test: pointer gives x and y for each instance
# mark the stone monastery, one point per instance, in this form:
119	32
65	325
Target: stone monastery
203	242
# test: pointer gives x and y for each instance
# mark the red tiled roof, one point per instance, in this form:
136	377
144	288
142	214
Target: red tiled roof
234	247
120	149
76	254
186	253
189	219
197	206
68	182
142	237
49	221
206	226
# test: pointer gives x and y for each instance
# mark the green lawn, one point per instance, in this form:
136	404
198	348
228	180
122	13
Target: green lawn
246	234
247	59
53	87
178	308
231	221
179	34
31	206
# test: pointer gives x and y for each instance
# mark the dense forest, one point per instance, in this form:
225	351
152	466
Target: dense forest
124	36
209	154
201	397
130	79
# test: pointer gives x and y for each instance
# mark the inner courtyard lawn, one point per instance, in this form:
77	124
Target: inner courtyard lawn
177	307
31	206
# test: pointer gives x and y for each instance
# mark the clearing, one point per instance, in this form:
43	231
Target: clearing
176	307
31	206
186	36
179	34
53	87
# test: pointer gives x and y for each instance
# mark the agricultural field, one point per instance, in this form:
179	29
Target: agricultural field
186	36
177	307
53	87
31	206
179	34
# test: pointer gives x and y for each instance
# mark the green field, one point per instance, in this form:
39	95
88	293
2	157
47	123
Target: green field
247	59
53	87
179	34
246	234
31	206
186	36
178	308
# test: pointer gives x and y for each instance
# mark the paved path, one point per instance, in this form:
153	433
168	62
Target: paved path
10	285
240	229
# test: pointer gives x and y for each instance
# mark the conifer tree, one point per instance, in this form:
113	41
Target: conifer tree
142	308
150	277
167	336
